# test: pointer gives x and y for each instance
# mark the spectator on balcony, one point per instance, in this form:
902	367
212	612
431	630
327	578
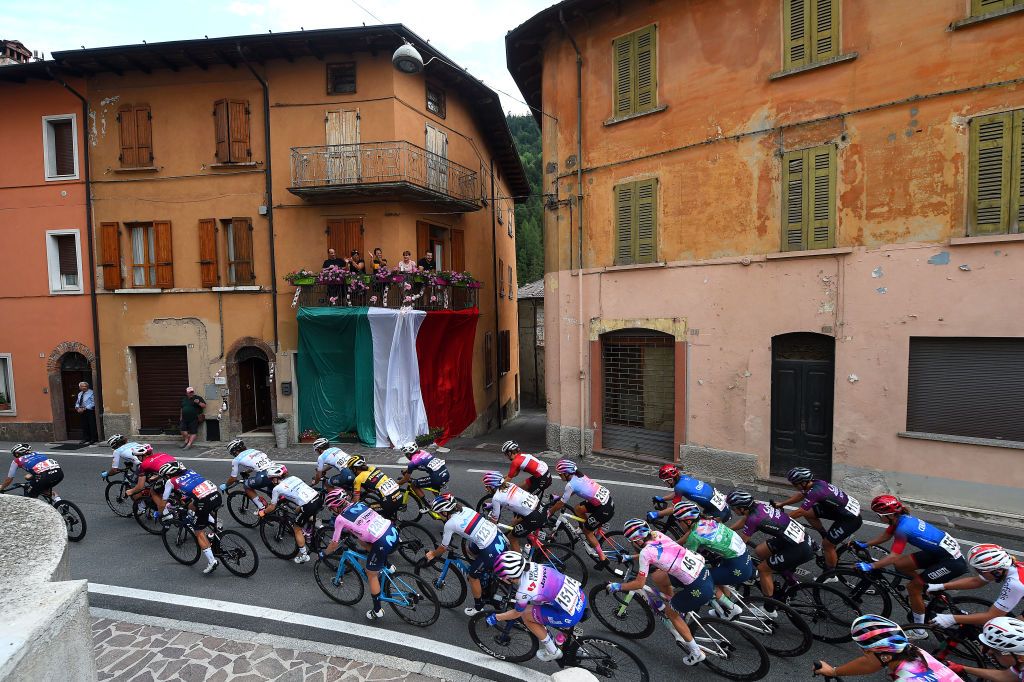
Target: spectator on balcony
355	262
332	259
407	264
427	262
379	261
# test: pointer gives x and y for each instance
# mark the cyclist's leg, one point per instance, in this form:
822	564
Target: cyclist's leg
840	531
689	598
764	569
483	563
533	619
377	559
729	573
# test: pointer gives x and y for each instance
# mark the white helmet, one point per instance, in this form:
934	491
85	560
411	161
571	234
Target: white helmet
409	449
116	441
509	446
988	557
321	444
1004	634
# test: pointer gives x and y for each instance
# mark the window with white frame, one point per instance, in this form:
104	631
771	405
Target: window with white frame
64	261
60	147
6	385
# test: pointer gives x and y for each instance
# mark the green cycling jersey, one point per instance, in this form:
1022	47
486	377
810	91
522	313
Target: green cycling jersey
717	538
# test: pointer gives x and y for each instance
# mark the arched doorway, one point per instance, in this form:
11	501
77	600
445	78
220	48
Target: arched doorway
803	378
74	369
638	399
254	404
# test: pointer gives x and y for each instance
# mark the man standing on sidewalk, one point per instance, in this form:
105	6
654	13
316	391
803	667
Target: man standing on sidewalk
192	407
85	405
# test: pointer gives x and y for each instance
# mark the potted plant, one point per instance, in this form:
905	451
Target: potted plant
280	427
301	277
308	436
5	402
428	438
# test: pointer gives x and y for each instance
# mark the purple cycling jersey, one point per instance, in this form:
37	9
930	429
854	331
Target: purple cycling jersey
830	502
774	522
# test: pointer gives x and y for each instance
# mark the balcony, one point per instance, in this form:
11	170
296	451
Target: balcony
382	171
434	297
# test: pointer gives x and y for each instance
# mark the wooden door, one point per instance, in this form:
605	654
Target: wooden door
74	369
254	393
803	377
345	234
437	159
162	373
343	146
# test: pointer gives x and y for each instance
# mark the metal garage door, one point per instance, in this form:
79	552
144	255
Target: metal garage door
639	392
163	376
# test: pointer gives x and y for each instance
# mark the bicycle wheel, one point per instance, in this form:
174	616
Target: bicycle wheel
730	650
785	634
414	541
180	542
486	499
237	554
277	535
242	509
827	611
412	510
411	598
624	613
508	641
345	588
606	660
118	502
866	591
563	560
953	645
447	581
144	517
943	603
73	519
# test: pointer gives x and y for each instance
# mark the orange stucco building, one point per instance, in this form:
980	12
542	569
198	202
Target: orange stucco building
783	232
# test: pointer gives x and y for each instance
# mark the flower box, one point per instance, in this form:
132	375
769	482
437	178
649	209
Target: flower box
304	281
307	439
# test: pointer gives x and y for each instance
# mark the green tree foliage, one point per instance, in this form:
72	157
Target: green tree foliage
530	214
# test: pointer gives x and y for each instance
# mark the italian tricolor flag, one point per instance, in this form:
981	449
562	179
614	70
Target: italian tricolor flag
387	375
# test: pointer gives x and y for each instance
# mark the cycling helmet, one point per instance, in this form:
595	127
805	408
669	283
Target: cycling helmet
276	471
171	469
884	505
409	449
444	503
635	529
800	475
21	449
739	499
668	472
142	451
116	441
1004	634
235	446
879	635
493	479
509	446
565	466
321	444
686	511
355	461
988	558
509	565
337	499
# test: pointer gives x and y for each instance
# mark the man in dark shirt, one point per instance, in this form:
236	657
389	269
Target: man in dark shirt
332	259
356	262
427	262
192	407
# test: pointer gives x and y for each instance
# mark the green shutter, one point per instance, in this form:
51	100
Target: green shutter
623	50
979	7
991	146
797	28
646	77
821	162
1017	172
826	30
625	233
646	221
794	200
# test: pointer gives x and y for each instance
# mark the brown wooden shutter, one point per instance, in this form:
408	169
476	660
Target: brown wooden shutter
221	133
646	220
110	255
625	197
239	131
422	238
458	251
501	278
67	254
336	236
241	234
144	134
163	254
794	200
353	237
646	78
63	147
129	139
990	174
208	271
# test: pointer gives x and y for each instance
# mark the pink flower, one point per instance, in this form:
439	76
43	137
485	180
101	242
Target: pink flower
407	286
333	300
373	299
407	299
433	299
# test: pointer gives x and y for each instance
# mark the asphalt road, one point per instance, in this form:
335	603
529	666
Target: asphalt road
120	559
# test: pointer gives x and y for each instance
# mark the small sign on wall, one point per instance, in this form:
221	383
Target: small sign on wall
220	381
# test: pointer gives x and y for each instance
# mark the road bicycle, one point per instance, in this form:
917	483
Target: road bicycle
74	520
409	596
416	505
116	491
231	548
276	531
241	507
447	577
617	550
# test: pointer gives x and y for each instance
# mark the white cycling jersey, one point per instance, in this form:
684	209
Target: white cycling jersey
124	454
1012	591
515	498
293	489
470	525
250	460
331	457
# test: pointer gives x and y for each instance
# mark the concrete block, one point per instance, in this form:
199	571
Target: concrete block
117	423
712	464
553	436
573	675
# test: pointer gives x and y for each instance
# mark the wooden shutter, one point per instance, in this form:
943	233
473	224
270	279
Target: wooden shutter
1017	195
110	255
501	278
163	254
67	254
488	359
625	229
238	128
221	133
422	238
162	373
988	6
796	22
821	162
646	77
458	251
623	50
144	134
241	236
794	200
646	221
336	236
354	236
63	147
990	173
129	156
208	271
826	30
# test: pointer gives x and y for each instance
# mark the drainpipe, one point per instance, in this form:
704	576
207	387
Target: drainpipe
270	196
494	265
98	387
579	218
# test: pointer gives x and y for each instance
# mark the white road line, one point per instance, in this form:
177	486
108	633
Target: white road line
201	459
473	657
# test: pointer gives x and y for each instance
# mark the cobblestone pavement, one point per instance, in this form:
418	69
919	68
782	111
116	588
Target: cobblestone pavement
139	652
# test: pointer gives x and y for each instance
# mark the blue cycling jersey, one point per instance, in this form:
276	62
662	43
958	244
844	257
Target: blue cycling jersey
192	484
702	494
923	535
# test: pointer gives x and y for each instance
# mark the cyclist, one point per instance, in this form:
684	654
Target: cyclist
485	537
327	457
371	480
938	556
1004	638
245	464
821	500
716	541
376	535
122	448
787	546
597	507
710	500
434	469
149	478
674	567
993	564
543	597
527	516
539	477
42	473
201	496
886	647
306	500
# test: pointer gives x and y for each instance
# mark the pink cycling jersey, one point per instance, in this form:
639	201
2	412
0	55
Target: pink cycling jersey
152	464
362	522
542	584
588	489
929	671
663	552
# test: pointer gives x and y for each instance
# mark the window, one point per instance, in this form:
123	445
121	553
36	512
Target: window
231	127
7	405
60	147
511	284
435	101
635	59
811	31
152	262
636	222
809	199
488	359
499	208
967	387
983	7
996	193
504	352
341	78
64	261
511	217
501	278
238	236
135	124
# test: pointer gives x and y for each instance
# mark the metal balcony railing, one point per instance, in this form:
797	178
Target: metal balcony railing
426	296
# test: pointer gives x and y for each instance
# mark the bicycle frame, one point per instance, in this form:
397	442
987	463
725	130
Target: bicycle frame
357	562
